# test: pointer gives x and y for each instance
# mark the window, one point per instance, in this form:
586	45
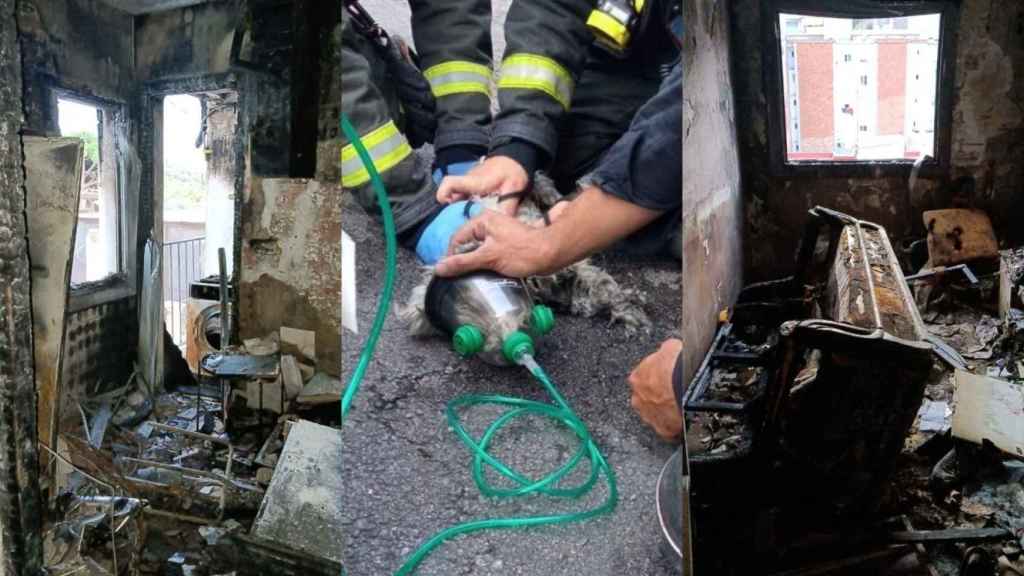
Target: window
857	89
97	253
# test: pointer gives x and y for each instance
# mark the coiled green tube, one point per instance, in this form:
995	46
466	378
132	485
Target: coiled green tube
559	411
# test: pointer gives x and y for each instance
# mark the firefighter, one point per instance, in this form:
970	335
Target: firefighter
590	113
398	100
614	134
612	125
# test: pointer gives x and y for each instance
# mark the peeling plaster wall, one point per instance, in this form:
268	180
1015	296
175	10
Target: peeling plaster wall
987	142
20	507
988	119
712	239
291	263
221	175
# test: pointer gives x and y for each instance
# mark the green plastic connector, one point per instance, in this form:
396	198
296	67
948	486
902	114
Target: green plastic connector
516	345
468	340
542	319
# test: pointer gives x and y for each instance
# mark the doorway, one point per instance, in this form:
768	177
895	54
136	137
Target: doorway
198	199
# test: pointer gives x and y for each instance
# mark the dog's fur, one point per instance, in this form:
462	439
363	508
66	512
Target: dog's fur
583	289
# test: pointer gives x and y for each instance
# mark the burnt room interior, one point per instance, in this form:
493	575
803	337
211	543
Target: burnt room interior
171	231
852	191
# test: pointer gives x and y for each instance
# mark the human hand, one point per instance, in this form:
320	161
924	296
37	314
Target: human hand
494	176
507	247
556	211
653	396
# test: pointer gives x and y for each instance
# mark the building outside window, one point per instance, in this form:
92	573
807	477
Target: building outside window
97	253
850	89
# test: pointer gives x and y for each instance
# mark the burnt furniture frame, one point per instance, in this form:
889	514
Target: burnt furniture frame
835	399
773	72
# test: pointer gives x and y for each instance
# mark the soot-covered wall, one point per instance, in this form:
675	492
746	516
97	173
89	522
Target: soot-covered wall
328	163
84	48
712	210
197	41
78	45
987	142
282	60
20	511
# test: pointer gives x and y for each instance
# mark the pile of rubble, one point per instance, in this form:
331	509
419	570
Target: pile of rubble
211	477
964	460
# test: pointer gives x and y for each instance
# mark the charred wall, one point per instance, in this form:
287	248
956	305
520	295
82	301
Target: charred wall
314	68
712	213
187	41
81	46
20	510
96	357
328	165
84	48
198	41
988	118
987	141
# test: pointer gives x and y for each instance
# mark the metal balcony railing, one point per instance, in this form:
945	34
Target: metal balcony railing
182	265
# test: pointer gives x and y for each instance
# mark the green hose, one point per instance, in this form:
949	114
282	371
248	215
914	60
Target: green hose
562	414
559	411
390	265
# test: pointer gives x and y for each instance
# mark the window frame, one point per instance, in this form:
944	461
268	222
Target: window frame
773	74
118	284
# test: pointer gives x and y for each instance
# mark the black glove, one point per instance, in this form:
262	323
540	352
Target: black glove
413	92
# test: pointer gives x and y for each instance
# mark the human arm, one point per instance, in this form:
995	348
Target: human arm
546	51
591	222
453	39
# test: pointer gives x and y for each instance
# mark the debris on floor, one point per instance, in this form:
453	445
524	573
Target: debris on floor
834	391
178	483
302	506
990	410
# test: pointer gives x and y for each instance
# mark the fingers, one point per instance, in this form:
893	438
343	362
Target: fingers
460	264
452	189
509	207
556	211
672	346
475	229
